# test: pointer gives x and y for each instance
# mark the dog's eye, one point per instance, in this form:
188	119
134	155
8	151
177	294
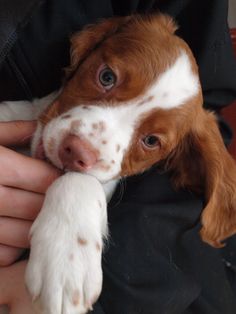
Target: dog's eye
107	78
151	141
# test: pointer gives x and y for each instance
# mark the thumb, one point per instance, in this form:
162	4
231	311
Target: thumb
16	132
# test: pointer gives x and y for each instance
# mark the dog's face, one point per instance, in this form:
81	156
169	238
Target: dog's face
120	104
133	98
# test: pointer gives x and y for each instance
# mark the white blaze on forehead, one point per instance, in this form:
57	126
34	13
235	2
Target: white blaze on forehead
176	85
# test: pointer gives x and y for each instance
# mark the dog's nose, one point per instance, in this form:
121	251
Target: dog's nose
77	154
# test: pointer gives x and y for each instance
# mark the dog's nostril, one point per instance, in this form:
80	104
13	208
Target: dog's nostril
81	163
67	150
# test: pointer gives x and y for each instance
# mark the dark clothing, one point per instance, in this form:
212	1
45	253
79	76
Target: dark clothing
155	262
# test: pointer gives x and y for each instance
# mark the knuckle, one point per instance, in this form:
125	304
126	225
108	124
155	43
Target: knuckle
2	192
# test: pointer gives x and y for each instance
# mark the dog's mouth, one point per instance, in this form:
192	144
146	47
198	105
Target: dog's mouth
40	152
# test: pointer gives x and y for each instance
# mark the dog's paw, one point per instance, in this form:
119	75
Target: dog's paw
64	274
69	284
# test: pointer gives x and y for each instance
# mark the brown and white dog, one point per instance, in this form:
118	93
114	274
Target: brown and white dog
132	98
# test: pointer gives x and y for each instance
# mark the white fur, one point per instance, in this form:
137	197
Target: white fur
59	266
25	110
176	85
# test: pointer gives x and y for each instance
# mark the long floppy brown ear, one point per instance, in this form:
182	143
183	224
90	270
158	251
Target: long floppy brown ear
203	160
83	42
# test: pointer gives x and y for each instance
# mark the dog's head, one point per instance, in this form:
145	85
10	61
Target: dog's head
132	98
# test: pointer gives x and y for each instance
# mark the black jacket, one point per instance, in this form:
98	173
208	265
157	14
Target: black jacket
155	262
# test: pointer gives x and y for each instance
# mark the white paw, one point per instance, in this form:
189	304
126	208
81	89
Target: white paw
69	284
64	274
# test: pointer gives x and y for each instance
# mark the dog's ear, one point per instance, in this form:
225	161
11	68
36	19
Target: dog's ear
167	22
83	42
202	159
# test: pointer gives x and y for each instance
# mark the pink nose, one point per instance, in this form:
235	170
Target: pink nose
77	154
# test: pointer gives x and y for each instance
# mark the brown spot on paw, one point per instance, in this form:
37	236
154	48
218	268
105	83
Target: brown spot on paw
75	298
98	247
71	257
82	241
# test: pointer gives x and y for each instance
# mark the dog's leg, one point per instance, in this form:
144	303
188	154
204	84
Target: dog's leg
64	274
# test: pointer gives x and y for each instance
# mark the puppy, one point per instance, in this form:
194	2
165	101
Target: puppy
131	99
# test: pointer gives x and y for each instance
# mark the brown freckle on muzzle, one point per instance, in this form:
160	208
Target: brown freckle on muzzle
95	126
75	125
51	145
102	126
104	142
146	100
67	116
105	167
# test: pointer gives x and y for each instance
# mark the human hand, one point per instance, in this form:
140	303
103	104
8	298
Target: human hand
13	291
23	182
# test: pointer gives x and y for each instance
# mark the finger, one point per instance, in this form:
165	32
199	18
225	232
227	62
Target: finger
12	287
15	232
24	172
9	255
20	203
16	132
